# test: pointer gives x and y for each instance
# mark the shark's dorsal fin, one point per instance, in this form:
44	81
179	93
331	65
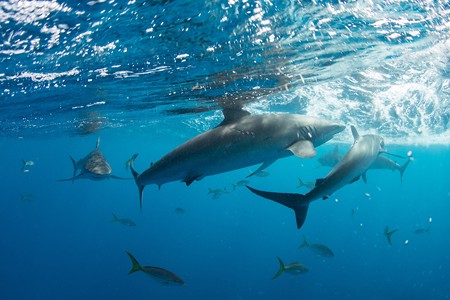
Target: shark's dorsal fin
303	149
98	143
354	132
232	114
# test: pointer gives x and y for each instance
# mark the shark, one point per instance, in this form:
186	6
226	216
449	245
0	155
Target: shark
93	166
349	169
330	159
239	141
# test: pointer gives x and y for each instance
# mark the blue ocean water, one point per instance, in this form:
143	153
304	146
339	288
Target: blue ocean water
145	76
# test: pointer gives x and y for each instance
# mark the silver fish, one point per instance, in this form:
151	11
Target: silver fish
294	268
160	274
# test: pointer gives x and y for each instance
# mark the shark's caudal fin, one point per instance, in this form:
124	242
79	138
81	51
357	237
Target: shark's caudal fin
136	266
136	175
297	202
280	270
405	165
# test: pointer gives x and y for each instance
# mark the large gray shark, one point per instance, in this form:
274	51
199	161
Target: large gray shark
93	166
349	169
330	159
241	140
384	163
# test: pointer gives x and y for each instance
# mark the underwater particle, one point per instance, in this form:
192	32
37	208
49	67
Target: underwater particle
336	200
409	154
406	242
430	219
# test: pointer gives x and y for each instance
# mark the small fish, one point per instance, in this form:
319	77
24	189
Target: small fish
180	210
165	276
27	197
240	183
130	160
389	234
422	230
26	164
123	221
294	268
216	193
307	184
318	249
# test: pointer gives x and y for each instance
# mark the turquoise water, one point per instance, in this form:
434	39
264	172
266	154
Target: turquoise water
147	76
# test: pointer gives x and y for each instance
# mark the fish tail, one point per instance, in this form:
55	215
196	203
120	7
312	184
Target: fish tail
136	266
404	166
280	270
136	176
297	202
300	183
304	244
115	218
74	165
24	163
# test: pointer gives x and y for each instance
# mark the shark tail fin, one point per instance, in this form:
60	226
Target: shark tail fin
404	166
135	176
136	266
304	244
297	202
280	270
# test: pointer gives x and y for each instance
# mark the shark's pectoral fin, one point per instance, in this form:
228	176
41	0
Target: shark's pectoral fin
303	149
79	176
264	166
189	180
355	179
364	177
121	178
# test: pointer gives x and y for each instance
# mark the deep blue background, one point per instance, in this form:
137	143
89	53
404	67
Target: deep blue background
64	245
